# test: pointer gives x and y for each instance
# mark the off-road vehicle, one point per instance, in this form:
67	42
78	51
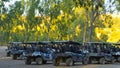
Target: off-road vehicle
100	52
115	48
69	52
43	53
15	49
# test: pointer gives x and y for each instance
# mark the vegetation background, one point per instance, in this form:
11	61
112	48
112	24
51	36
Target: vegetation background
50	20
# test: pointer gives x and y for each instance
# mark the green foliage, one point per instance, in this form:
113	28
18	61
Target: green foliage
117	2
40	20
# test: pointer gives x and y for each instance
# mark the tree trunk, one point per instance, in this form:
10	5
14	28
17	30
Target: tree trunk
91	23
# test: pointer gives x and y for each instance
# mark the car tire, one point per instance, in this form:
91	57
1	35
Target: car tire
69	62
118	59
113	60
90	61
85	61
8	54
39	60
27	61
21	57
56	62
14	57
102	61
44	62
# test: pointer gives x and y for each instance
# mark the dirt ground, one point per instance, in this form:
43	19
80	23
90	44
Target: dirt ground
7	62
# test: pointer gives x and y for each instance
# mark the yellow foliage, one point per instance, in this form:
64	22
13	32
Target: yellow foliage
38	28
106	19
3	16
79	10
98	32
18	28
23	18
53	27
112	32
13	30
59	17
116	22
1	28
42	27
21	27
63	14
114	36
53	21
77	30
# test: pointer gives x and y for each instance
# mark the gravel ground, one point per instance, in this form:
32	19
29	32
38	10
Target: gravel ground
7	62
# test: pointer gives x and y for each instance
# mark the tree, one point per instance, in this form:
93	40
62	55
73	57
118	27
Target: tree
93	9
3	11
38	20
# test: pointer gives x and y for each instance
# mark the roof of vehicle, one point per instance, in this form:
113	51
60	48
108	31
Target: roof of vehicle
15	43
42	42
66	42
96	42
114	43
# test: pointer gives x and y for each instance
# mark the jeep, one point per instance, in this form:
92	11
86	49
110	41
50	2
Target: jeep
42	53
69	52
15	49
100	52
115	48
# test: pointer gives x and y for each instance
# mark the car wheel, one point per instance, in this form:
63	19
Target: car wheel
21	57
44	62
69	62
118	59
102	61
113	60
56	62
8	54
39	60
28	61
90	61
85	61
14	57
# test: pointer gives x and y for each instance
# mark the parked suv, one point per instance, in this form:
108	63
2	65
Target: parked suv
69	52
100	52
42	53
